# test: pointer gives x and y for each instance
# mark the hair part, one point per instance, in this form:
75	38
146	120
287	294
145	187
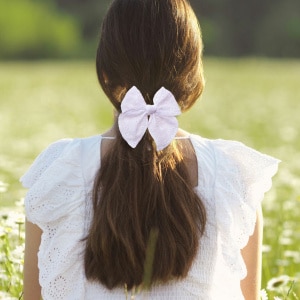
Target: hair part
148	44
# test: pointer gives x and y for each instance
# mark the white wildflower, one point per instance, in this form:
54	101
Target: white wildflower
3	187
266	248
6	296
20	203
263	295
285	240
278	282
17	255
295	255
282	262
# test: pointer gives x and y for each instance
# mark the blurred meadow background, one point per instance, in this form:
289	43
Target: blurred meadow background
49	90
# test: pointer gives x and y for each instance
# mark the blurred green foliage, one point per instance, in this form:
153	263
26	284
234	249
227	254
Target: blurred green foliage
70	28
30	29
279	33
242	27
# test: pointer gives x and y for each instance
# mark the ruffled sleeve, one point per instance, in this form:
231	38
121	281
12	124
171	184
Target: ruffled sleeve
55	202
242	177
52	180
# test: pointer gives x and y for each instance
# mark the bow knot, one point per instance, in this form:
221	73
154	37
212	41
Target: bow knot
160	118
151	109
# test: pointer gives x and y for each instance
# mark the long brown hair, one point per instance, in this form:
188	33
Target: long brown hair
147	44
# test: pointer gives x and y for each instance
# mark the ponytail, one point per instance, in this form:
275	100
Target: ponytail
136	191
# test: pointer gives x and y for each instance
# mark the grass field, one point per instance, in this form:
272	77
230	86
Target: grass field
254	101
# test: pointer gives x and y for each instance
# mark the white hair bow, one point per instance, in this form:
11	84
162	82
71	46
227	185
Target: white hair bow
159	118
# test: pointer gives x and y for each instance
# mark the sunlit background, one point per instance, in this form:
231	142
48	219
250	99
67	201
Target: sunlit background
49	90
32	29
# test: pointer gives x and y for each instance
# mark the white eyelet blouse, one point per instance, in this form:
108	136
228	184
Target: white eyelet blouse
232	180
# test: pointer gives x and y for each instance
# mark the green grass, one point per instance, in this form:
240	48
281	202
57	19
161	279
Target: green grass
254	101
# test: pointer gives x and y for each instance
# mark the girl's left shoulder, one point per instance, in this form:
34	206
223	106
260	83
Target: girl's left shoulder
234	154
239	177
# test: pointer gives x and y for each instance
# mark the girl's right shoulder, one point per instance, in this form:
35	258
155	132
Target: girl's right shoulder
57	179
44	160
68	150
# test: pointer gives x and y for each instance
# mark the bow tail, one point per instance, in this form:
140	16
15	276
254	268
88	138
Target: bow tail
163	130
132	127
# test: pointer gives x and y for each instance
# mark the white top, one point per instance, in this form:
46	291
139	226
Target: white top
232	180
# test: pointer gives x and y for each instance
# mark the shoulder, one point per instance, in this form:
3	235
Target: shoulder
239	177
238	171
64	151
56	180
44	160
232	167
234	154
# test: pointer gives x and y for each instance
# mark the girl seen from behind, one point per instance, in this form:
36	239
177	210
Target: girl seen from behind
93	202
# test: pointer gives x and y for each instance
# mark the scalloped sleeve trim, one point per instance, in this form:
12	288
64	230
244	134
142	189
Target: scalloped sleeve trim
55	183
43	162
243	176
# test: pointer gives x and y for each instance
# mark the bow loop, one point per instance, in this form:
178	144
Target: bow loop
162	123
167	103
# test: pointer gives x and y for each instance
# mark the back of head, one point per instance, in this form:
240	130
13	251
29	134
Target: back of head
147	44
150	44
